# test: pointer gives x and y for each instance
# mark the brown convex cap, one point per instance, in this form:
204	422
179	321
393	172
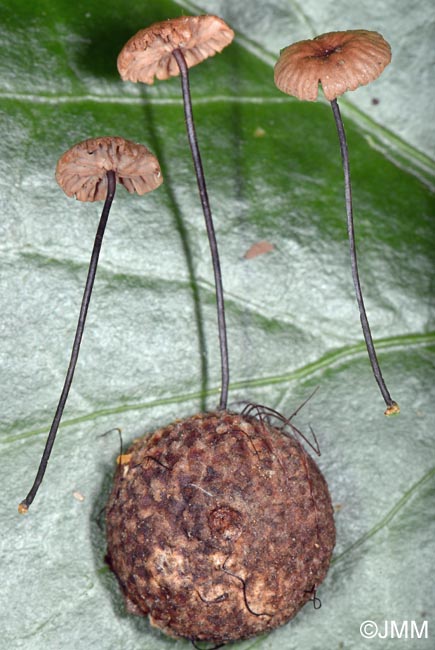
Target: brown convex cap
340	61
81	171
148	54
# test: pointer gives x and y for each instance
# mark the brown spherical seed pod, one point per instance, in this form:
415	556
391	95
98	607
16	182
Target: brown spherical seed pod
219	527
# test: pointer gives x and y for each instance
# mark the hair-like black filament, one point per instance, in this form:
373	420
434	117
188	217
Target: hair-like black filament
218	599
317	603
245	597
111	186
194	642
193	142
119	431
392	406
263	413
156	460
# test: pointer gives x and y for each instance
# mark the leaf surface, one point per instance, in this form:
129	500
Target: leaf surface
150	351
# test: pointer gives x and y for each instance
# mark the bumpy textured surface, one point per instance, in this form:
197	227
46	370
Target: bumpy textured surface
340	61
148	53
81	171
219	527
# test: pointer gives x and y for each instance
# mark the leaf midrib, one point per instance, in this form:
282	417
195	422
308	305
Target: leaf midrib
332	359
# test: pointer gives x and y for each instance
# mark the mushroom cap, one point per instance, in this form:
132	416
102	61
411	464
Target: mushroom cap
148	53
81	171
340	61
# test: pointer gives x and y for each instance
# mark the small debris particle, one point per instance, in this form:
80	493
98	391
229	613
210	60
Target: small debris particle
259	248
202	489
375	101
123	459
78	496
393	409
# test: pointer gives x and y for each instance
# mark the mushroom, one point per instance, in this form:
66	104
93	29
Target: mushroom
339	61
164	50
89	171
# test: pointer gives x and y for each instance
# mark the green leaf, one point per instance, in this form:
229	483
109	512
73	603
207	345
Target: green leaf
150	351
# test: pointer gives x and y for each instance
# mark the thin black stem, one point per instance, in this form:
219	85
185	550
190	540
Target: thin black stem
111	185
391	404
193	142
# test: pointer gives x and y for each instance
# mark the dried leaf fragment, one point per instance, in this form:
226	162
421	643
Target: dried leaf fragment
259	248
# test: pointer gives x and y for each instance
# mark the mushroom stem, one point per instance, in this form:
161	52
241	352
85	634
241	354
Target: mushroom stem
111	186
193	142
392	406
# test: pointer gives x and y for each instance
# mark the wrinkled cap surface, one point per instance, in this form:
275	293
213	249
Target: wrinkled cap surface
81	171
219	527
339	61
148	54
